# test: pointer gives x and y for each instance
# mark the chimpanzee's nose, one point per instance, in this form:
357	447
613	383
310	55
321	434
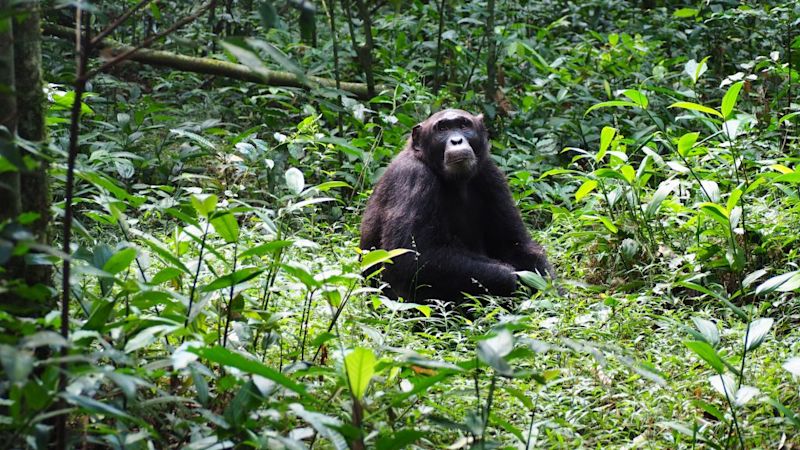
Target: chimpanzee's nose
456	141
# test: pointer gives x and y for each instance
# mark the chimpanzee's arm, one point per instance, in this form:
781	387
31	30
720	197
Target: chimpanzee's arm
508	239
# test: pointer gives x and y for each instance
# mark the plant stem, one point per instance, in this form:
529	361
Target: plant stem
230	296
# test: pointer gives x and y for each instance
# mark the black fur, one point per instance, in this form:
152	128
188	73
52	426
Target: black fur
461	219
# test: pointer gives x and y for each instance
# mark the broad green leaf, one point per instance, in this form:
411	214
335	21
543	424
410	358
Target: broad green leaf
360	365
717	213
327	426
729	100
695	69
628	172
532	279
232	279
269	15
793	366
228	358
685	13
781	168
696	107
610	173
91	405
399	440
786	282
204	204
605	221
699	288
263	249
120	261
757	332
587	187
637	97
733	200
300	273
664	189
793	178
708	330
227	227
295	180
159	248
380	256
493	351
99	317
705	351
607	104
195	137
606	136
686	142
744	395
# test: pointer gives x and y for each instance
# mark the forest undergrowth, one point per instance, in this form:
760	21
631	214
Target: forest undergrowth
217	297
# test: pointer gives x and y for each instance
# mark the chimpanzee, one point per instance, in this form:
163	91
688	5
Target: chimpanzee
444	198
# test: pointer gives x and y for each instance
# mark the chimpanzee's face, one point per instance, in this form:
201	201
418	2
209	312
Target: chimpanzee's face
453	142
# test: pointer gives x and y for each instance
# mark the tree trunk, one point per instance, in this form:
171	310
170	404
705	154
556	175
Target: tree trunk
9	180
34	185
491	60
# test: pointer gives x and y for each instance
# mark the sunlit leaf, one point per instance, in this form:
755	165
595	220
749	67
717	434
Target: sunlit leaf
360	365
757	332
705	351
696	107
587	187
729	100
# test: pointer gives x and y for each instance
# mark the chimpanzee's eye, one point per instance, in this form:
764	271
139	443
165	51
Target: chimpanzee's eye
463	124
440	126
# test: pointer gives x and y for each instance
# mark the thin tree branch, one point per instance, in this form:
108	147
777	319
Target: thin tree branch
119	21
146	43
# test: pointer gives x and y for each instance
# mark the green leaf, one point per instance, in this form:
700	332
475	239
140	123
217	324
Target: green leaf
120	261
606	136
269	15
607	104
664	189
399	440
637	97
729	100
628	172
360	365
294	180
684	13
159	248
204	204
227	227
696	107
493	351
232	279
707	353
708	330
686	142
532	279
786	282
604	220
225	357
757	332
263	249
91	405
325	425
99	317
717	213
587	187
380	256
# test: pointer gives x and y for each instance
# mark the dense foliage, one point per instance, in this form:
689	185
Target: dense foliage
216	298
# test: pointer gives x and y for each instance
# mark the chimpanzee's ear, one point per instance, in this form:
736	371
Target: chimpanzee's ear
479	118
415	135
